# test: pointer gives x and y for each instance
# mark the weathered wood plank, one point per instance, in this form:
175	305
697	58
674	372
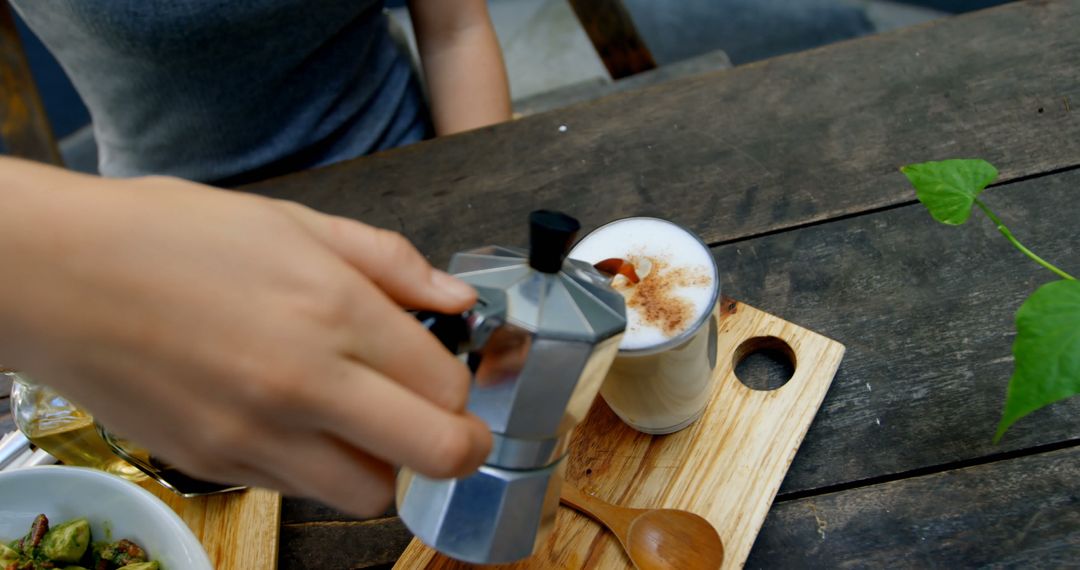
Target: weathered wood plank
24	127
758	148
926	312
598	87
1023	513
340	545
295	510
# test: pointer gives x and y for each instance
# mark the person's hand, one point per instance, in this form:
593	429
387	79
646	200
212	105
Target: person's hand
242	339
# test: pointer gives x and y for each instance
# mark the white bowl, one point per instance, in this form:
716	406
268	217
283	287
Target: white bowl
109	502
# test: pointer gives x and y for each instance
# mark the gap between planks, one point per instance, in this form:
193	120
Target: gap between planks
879	209
924	471
331	524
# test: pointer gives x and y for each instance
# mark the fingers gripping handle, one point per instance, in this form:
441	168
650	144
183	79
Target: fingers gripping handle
468	331
451	330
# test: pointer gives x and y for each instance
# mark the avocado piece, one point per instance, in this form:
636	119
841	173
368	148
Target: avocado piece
152	565
7	555
120	553
66	542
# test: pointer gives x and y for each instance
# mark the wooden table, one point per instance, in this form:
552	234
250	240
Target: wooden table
788	169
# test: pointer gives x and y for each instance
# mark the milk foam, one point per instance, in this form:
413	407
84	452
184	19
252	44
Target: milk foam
674	248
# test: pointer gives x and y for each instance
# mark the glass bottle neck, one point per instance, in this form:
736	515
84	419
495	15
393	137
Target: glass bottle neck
19	377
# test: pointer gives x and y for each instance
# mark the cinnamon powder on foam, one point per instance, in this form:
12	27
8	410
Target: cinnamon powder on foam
654	296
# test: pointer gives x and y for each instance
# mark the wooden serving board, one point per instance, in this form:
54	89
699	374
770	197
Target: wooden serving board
726	467
238	530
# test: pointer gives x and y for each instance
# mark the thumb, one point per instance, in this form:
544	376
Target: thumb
390	261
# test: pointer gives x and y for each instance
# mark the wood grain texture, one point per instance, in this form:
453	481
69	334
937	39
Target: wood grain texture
926	312
1021	513
340	545
726	467
599	87
24	127
612	32
927	318
744	151
239	530
296	510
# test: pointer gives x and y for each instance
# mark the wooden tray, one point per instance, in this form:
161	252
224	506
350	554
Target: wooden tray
726	467
238	530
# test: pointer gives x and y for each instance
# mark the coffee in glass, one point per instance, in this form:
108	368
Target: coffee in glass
662	378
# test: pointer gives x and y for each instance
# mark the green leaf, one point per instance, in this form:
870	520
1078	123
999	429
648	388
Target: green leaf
948	188
1047	351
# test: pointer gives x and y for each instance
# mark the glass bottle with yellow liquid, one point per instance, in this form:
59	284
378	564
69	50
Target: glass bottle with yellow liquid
63	429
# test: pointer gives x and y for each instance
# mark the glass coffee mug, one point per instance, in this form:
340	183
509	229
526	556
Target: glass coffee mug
663	377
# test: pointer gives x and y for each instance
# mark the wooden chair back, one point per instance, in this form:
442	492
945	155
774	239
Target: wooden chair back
24	128
612	32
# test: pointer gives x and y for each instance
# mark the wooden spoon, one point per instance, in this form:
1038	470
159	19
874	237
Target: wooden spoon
654	539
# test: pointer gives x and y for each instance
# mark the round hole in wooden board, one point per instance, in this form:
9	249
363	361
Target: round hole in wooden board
764	363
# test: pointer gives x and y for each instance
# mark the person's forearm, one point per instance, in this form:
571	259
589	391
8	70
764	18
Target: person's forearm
463	65
34	201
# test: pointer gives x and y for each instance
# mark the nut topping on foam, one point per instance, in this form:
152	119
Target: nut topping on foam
652	292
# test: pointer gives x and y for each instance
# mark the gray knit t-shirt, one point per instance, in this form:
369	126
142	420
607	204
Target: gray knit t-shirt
232	90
